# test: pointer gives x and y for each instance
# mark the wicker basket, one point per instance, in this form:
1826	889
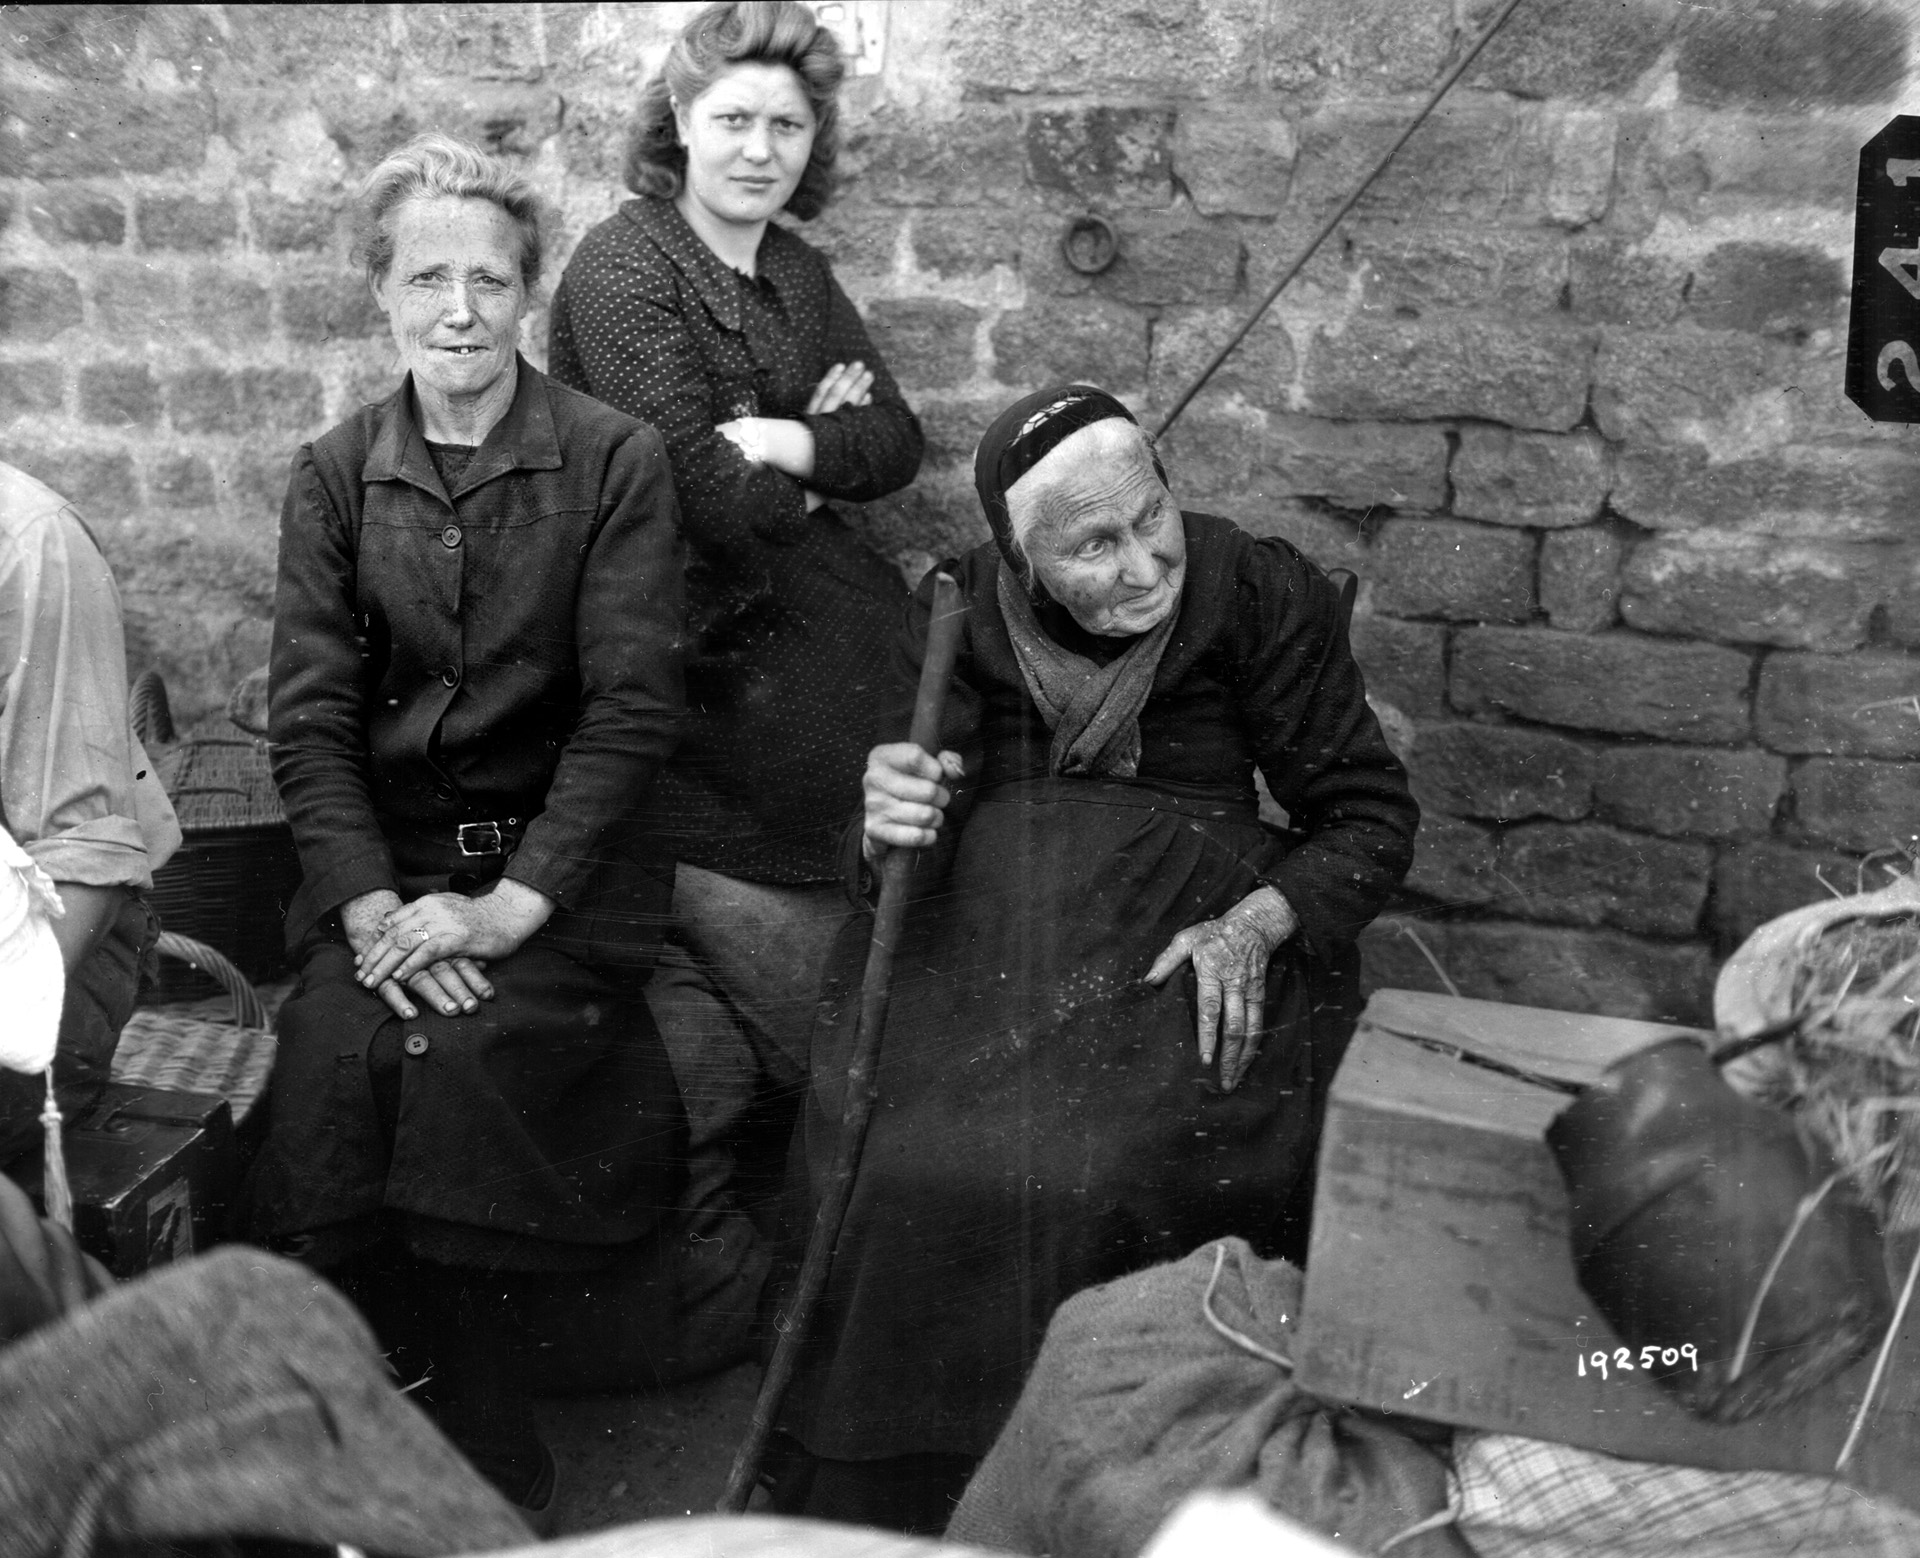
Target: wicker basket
236	870
191	1054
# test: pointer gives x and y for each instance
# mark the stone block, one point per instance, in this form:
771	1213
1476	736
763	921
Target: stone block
1868	703
184	222
1824	493
928	342
1760	881
965	243
1580	153
1404	663
1423	266
1209	460
82	42
1458	168
1234	161
1450	568
1592	874
98	482
1176	49
140	301
291	224
1260	369
1354	465
272	44
36	305
1769	289
1779	158
28	387
214	400
1372	47
329	306
90	131
78	215
1569	48
1678	386
858	241
1543	480
1612	281
1798	595
1481	368
1455	863
1501	773
1103	155
911	160
1798	54
1624	683
1331	540
1601	971
1579	578
181	481
1860	705
1088	339
486	42
1173	259
1689	792
1858	803
119	394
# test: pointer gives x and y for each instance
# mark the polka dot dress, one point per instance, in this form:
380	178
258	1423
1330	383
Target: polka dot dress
792	615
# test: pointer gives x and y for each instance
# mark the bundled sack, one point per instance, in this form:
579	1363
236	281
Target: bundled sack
1176	1379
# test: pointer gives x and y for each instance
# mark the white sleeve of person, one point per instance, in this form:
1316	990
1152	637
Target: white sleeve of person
33	981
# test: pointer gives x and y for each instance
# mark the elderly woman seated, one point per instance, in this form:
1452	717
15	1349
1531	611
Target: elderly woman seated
476	675
1119	997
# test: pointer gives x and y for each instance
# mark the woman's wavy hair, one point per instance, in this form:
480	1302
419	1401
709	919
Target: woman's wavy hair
780	33
437	164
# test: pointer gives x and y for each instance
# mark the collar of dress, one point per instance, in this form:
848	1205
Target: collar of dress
524	439
717	282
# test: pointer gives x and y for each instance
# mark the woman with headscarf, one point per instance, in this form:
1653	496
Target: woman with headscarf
1055	1106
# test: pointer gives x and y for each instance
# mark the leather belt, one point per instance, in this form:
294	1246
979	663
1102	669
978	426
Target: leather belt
488	838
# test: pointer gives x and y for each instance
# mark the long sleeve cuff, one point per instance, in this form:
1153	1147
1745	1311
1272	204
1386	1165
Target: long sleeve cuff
101	852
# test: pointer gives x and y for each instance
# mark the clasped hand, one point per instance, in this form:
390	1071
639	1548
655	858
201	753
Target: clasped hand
787	444
1229	957
439	945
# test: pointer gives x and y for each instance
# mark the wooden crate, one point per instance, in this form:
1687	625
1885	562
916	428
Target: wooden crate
1440	1282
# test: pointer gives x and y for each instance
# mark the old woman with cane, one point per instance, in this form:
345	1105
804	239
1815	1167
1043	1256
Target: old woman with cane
1118	997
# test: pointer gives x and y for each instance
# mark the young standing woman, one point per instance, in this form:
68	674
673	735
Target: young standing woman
693	310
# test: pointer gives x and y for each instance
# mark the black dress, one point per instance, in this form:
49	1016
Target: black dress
792	613
1043	1121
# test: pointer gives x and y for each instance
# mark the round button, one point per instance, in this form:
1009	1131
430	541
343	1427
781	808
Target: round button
416	1045
451	676
450	536
443	792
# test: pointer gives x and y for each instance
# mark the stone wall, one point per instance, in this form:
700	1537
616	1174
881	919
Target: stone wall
1563	390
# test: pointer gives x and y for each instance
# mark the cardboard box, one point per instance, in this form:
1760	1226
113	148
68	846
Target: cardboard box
152	1173
1440	1282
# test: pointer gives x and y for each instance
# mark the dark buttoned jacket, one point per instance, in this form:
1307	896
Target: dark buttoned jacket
508	651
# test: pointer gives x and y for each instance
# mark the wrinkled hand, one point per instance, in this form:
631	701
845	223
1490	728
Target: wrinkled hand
844	384
905	800
1229	957
781	442
439	944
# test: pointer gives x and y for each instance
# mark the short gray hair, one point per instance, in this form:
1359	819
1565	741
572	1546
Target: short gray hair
436	164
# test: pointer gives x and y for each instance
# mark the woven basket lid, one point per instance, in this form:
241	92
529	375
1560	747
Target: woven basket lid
219	782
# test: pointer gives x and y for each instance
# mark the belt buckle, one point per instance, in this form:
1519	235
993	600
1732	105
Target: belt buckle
480	838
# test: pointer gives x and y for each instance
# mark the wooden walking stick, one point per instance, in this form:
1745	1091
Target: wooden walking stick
936	670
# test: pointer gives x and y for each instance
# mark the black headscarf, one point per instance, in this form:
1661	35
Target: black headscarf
1025	434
